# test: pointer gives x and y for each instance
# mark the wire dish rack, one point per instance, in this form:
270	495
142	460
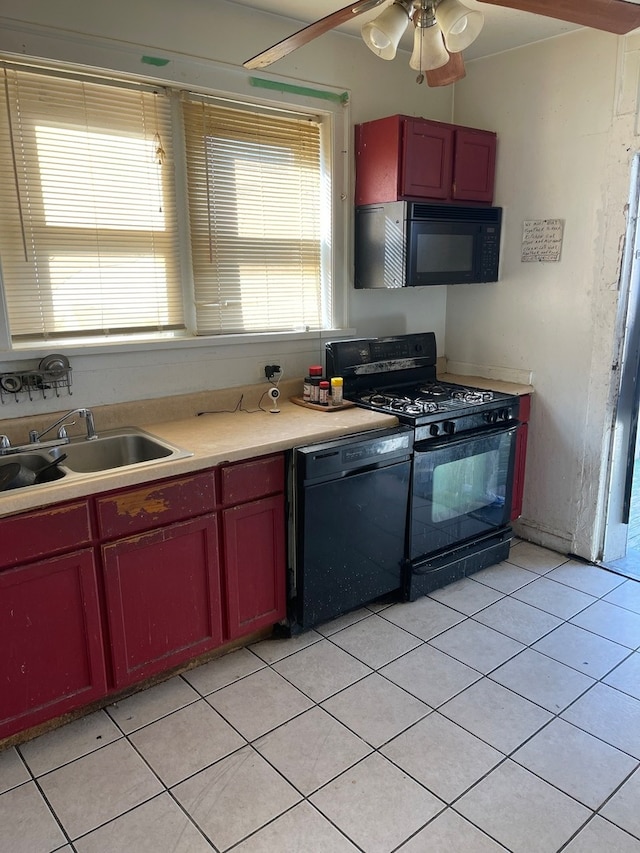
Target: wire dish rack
51	378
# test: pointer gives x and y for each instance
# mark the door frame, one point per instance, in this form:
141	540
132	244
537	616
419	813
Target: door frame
626	367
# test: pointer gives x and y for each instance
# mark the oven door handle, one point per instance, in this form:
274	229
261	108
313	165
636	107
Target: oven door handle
430	444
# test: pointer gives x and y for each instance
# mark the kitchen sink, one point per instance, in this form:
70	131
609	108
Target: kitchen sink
36	461
115	449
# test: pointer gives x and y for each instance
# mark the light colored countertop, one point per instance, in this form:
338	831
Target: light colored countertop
226	436
489	384
213	439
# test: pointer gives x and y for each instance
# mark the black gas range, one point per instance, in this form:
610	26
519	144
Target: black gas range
397	375
464	441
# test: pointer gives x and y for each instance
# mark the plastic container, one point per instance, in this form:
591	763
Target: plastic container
306	389
314	383
311	385
336	391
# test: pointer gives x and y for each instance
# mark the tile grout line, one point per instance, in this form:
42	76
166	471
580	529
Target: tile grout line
430	709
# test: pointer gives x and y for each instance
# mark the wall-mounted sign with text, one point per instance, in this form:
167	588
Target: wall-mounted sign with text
542	239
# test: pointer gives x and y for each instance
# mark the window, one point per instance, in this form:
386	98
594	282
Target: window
88	233
91	241
256	220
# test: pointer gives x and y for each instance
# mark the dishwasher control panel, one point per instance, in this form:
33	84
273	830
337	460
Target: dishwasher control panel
348	454
376	449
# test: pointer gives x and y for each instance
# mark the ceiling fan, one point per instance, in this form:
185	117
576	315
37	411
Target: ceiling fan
444	28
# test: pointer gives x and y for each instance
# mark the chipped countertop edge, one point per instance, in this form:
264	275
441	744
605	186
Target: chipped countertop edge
214	438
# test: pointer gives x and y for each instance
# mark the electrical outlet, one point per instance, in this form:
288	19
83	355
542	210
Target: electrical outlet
272	371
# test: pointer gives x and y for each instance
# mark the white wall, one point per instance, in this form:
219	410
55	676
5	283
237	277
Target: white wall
566	141
207	30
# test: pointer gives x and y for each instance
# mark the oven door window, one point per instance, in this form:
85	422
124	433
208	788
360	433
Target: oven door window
461	489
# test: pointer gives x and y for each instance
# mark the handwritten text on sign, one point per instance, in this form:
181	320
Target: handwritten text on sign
542	239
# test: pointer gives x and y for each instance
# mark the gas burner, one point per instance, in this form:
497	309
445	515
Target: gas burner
475	396
434	390
376	400
389	400
400	404
424	407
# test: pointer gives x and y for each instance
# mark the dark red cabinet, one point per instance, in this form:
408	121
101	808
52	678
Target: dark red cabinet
163	598
427	159
51	638
101	594
148	507
255	565
254	544
401	157
474	165
521	456
31	536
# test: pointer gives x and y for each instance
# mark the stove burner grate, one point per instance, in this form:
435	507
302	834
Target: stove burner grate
433	389
425	407
425	398
465	395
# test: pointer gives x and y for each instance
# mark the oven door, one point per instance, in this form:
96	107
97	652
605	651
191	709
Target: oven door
461	488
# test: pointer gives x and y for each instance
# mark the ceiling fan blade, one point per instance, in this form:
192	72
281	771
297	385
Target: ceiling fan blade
449	73
307	34
612	16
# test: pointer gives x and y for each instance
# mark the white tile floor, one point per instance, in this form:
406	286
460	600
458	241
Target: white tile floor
500	713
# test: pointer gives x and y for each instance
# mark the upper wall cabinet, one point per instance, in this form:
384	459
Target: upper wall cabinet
401	157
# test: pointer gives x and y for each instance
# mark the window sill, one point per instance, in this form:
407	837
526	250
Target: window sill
90	346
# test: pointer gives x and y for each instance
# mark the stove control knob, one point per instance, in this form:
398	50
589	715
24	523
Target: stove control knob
504	414
449	427
491	417
434	429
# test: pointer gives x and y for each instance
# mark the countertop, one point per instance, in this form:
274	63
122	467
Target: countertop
222	436
489	384
213	439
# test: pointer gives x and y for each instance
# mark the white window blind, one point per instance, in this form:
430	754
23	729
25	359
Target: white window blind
88	233
257	218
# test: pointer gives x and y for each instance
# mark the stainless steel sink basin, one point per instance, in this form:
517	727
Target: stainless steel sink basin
116	449
36	461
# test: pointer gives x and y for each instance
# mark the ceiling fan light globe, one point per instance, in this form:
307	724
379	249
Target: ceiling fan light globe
460	26
379	40
429	51
383	34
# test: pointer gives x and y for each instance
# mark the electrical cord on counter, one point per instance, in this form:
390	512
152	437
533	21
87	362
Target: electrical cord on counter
238	408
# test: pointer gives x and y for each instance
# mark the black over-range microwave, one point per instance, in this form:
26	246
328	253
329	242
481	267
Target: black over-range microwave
414	244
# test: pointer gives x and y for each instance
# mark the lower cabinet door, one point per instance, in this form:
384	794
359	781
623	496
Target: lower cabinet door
52	656
254	538
163	598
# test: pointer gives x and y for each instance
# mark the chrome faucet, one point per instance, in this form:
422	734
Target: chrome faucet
36	437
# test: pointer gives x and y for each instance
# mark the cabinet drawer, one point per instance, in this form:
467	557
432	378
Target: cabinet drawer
247	481
134	510
33	535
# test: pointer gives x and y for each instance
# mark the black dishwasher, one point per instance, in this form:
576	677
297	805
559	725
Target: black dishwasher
349	516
